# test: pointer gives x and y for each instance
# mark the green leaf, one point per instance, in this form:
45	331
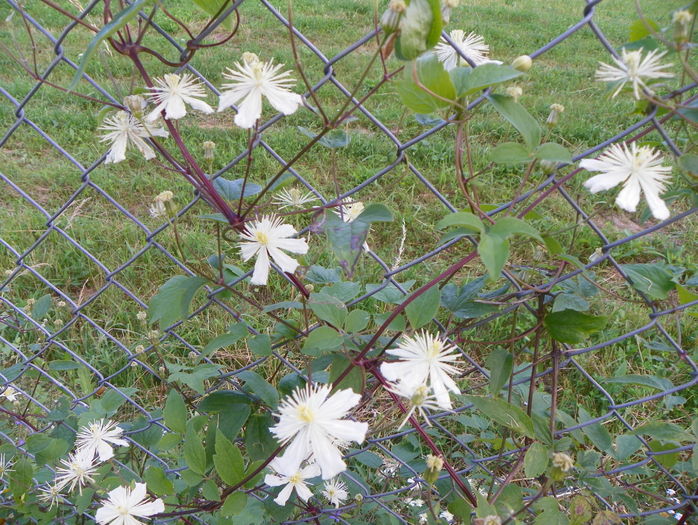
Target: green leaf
260	345
508	226
550	513
259	443
321	275
689	163
375	213
322	340
328	308
626	445
570	301
420	28
654	280
260	387
633	379
510	153
424	308
463	219
157	481
213	7
461	301
222	399
232	189
175	412
553	152
467	80
500	363
432	76
666	460
344	291
390	293
63	364
664	431
237	331
234	504
641	28
494	252
41	307
194	452
596	433
571	326
192	377
171	303
228	460
518	117
119	20
356	321
536	460
335	138
353	380
503	413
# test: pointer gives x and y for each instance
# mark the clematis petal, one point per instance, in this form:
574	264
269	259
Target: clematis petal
261	268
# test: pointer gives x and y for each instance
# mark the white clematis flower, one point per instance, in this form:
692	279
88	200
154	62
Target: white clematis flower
124	505
293	198
267	237
335	492
633	68
171	94
420	396
98	438
50	495
77	470
639	168
123	128
425	358
252	80
5	466
471	45
293	477
10	394
310	420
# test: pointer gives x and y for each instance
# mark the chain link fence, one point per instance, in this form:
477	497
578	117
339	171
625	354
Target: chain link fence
36	383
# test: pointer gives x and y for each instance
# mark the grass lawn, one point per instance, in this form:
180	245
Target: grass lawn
104	250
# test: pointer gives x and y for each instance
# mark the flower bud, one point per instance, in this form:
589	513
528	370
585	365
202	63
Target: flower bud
555	110
60	304
522	63
139	349
162	370
682	25
133	364
390	20
359	499
193	355
514	92
434	466
562	461
142	316
209	149
165	196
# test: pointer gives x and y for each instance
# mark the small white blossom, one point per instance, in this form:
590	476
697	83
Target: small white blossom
172	92
124	505
293	477
252	80
268	237
639	169
446	516
141	316
492	519
425	357
633	68
5	466
415	502
420	396
157	209
77	470
423	518
123	128
335	492
471	45
310	420
98	438
50	495
10	394
293	198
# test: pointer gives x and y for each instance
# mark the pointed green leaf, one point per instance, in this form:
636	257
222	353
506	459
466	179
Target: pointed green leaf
521	119
494	252
571	326
468	80
228	460
175	412
171	303
424	308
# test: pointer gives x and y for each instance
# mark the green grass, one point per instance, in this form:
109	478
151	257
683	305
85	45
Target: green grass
563	75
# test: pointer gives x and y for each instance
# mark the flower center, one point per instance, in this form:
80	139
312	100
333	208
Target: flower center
262	238
306	414
295	479
434	350
123	511
420	395
632	61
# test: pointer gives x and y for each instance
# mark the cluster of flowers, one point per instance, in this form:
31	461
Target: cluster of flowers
311	422
93	446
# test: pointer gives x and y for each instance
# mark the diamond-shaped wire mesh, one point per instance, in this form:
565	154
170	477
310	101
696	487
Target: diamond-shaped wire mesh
89	287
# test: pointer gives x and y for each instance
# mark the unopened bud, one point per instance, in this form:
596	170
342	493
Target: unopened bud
514	92
193	355
209	149
555	110
141	316
60	304
359	499
139	349
522	63
390	20
31	301
133	364
434	466
162	370
682	25
135	104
